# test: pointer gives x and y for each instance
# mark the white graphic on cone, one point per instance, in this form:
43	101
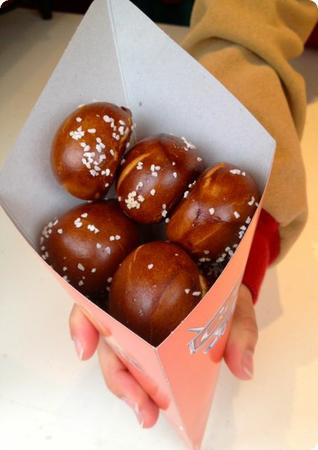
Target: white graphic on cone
210	334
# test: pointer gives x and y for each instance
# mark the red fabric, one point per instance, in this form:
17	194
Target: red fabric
313	38
265	249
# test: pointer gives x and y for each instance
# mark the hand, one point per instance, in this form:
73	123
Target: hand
238	356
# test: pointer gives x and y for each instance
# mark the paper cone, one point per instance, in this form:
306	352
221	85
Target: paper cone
118	55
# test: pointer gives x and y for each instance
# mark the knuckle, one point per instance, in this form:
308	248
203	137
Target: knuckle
110	384
248	323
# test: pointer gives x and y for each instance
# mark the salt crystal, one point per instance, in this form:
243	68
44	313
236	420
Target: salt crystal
78	223
107	119
188	144
139	165
235	171
77	135
92	228
252	201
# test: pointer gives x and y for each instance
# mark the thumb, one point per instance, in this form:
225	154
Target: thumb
240	347
83	333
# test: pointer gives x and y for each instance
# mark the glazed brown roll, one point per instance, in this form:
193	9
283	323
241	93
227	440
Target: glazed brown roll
88	147
86	245
154	289
212	219
155	174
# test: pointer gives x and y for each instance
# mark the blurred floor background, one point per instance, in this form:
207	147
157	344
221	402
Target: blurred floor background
165	11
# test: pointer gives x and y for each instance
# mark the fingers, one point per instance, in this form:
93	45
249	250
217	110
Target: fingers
149	386
117	377
121	383
83	333
243	336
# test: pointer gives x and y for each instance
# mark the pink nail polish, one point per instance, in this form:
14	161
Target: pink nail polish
79	348
136	409
247	363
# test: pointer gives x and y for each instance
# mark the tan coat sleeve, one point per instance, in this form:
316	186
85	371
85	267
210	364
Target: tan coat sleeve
247	45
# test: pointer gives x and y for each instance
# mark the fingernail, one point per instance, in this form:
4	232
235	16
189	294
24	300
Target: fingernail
136	409
247	363
79	348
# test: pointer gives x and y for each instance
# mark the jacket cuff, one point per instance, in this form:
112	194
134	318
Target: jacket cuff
265	249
